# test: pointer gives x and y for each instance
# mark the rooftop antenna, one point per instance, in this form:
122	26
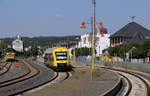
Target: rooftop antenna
133	17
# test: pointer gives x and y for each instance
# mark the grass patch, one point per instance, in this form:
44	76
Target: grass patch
76	76
108	64
128	67
143	70
79	74
83	72
98	73
137	69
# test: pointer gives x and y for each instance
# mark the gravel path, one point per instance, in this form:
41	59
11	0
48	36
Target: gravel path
14	72
80	84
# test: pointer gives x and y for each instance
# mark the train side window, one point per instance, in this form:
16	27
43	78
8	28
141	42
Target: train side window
48	57
51	57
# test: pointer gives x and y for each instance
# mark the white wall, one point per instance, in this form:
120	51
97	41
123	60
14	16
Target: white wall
17	45
101	44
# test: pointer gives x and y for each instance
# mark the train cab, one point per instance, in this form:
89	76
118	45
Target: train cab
57	58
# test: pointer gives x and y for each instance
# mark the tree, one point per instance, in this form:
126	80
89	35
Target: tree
148	54
135	49
82	51
114	50
3	46
146	47
122	50
34	49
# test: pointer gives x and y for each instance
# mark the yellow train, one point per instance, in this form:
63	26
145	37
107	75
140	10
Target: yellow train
57	58
10	56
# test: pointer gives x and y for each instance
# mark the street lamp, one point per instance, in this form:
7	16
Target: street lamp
93	34
83	25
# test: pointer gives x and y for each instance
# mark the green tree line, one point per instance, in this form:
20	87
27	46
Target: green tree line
137	50
84	51
42	40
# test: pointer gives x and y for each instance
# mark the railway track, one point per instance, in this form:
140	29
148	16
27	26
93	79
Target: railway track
26	76
35	77
32	72
125	74
2	66
67	75
127	93
5	66
59	77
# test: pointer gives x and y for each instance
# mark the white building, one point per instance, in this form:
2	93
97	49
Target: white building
18	44
102	42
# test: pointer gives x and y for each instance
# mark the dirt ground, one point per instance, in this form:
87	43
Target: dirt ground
80	84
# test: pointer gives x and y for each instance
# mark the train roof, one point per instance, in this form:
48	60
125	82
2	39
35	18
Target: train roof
49	50
10	50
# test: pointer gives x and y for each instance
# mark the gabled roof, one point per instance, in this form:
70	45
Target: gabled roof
132	30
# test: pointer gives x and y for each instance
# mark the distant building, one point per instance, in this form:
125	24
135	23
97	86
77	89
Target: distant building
18	44
131	32
102	41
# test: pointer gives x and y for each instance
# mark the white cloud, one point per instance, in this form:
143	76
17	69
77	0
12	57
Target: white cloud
57	16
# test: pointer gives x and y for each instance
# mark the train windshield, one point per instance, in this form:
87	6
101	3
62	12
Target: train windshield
10	54
61	55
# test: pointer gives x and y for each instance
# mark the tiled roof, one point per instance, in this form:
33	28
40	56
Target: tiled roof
131	30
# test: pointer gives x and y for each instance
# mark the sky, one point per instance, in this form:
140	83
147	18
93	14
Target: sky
63	17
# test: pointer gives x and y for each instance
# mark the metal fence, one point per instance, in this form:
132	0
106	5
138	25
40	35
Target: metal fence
139	63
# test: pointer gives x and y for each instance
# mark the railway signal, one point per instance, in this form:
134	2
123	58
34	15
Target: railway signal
133	47
17	65
83	25
101	29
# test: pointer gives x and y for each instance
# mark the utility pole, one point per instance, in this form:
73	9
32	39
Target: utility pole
93	29
93	42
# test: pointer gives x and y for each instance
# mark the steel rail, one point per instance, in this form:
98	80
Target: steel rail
55	77
5	66
67	75
20	78
28	72
130	85
147	93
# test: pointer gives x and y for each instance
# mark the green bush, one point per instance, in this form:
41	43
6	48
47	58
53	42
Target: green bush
140	50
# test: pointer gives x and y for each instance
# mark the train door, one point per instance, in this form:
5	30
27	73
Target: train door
51	60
